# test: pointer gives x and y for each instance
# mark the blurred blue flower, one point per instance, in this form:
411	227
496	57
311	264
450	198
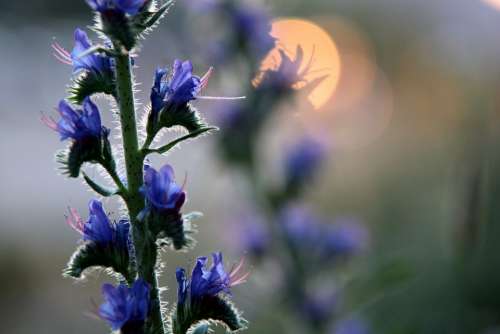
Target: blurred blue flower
208	282
304	159
255	237
124	305
92	62
99	229
351	326
160	189
253	26
345	237
78	125
179	89
130	7
318	307
320	239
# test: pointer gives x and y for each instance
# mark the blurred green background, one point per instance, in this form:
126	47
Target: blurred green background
413	120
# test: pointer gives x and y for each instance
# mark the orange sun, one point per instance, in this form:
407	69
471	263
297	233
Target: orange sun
318	47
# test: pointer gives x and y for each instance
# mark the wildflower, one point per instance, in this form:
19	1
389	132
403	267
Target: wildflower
99	229
351	326
125	308
92	62
179	89
164	200
345	237
131	7
319	240
208	282
161	191
303	160
253	27
79	125
255	237
319	306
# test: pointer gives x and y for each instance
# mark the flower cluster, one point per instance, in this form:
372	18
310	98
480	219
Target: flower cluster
202	295
99	229
125	308
321	240
130	7
82	125
208	282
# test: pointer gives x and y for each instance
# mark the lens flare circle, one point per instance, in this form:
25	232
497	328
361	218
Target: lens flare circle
318	46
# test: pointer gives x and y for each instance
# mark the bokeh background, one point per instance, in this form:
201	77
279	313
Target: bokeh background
410	110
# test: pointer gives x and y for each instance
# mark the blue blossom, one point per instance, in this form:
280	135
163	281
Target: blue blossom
131	7
206	282
78	125
351	326
160	189
92	62
124	305
320	239
99	229
345	237
254	26
304	159
255	237
319	306
179	89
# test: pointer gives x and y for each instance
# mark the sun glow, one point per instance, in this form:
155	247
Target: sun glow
318	47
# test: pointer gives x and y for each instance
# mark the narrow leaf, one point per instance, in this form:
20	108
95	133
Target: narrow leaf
101	190
173	143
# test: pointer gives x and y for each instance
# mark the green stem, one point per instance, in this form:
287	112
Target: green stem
144	244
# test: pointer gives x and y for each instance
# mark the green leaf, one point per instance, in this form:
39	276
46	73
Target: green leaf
101	190
173	143
88	84
209	309
90	255
149	19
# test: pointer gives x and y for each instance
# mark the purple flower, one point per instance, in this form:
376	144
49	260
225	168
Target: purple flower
254	27
351	326
78	125
208	282
318	307
124	306
91	62
130	7
255	237
303	160
180	88
99	229
160	189
319	239
345	237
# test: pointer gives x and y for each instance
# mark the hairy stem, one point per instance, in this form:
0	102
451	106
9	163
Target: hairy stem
144	243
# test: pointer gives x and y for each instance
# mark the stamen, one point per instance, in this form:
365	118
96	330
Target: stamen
49	121
74	220
61	54
205	77
227	98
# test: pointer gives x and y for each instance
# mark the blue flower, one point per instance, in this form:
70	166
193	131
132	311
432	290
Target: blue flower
78	125
253	26
345	237
319	306
130	7
179	89
160	189
321	240
124	305
91	62
208	282
351	326
303	160
99	229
